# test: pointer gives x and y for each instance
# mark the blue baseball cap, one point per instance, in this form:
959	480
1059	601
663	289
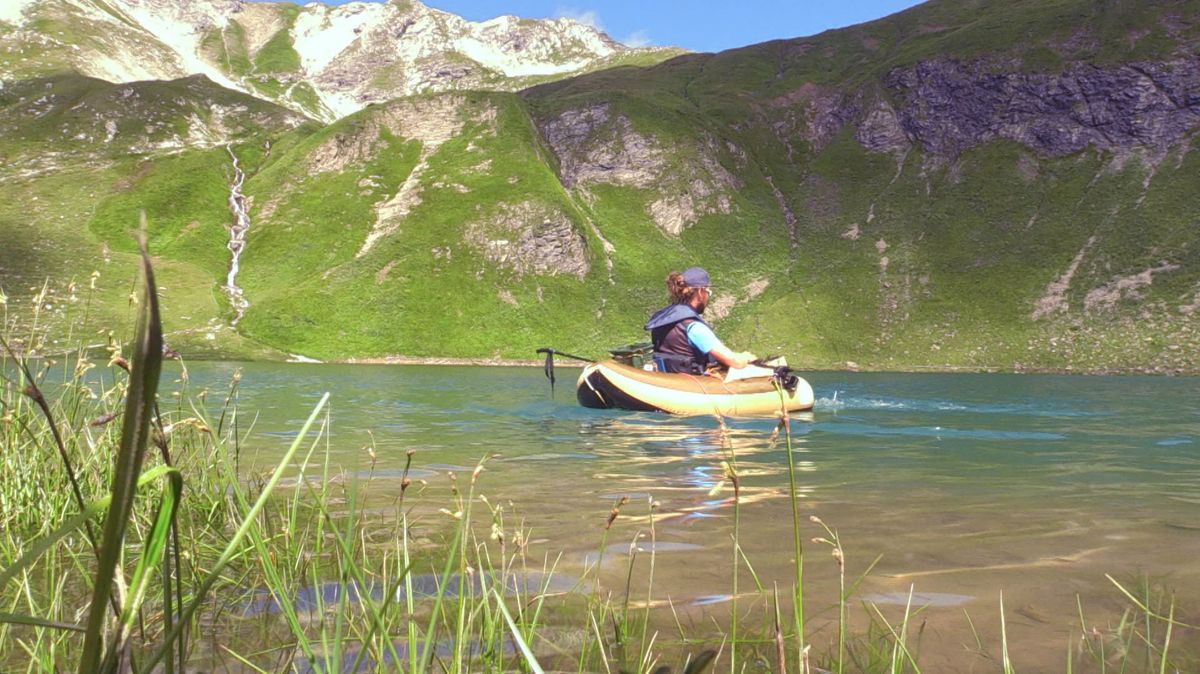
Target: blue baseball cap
695	277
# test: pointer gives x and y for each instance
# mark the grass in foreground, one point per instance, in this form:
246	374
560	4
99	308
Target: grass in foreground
136	510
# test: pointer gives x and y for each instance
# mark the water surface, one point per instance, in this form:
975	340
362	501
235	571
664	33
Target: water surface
962	486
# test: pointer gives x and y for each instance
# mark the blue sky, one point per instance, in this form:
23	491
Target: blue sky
699	25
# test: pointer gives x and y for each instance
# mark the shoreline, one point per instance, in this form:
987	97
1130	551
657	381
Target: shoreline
845	366
833	367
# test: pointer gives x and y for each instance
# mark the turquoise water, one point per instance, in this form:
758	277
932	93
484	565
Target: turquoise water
962	486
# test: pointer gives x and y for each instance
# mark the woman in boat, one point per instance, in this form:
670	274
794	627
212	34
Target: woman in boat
683	342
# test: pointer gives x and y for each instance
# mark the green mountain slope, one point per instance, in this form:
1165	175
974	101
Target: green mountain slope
964	184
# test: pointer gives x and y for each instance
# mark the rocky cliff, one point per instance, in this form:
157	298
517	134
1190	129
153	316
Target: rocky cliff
965	184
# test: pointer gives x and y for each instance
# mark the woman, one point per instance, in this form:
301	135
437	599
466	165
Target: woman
683	342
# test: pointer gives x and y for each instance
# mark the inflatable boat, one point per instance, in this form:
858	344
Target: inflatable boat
751	391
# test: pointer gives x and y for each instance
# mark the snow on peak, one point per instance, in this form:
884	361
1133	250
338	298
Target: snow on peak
322	32
13	11
350	55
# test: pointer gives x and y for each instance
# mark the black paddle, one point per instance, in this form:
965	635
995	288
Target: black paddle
548	368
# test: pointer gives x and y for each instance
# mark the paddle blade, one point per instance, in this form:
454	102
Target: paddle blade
548	368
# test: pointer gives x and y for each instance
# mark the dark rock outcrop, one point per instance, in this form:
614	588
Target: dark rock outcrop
947	106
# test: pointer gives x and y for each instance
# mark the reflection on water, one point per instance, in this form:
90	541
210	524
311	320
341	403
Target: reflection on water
961	486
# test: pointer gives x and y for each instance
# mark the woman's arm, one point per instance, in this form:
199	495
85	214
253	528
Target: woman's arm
703	338
732	359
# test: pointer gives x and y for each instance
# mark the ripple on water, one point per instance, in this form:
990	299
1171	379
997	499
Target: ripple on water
641	547
918	598
1041	409
937	432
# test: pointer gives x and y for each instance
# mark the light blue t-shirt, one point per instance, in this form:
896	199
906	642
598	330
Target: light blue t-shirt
702	337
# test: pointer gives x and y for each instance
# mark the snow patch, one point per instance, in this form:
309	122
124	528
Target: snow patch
322	33
121	68
512	65
12	11
179	28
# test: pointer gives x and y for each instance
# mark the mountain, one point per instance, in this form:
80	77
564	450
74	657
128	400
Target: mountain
968	183
323	61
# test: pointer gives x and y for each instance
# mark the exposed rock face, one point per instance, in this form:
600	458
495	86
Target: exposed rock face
881	131
594	146
528	238
724	303
432	121
1127	287
1054	300
947	106
813	113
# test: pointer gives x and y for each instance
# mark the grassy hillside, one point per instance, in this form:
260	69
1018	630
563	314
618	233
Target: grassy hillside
860	196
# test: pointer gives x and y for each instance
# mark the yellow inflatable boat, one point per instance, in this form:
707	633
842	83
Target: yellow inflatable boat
752	391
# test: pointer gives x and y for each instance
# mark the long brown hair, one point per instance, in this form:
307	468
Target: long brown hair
678	290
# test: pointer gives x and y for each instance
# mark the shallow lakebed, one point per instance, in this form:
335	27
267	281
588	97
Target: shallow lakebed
960	488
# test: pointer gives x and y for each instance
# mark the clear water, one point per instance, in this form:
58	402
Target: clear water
962	486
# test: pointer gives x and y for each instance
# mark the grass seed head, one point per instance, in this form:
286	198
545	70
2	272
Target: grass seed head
612	514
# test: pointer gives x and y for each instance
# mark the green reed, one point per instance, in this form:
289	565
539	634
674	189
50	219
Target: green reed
140	512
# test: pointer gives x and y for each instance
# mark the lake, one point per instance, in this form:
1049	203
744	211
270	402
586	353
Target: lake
961	486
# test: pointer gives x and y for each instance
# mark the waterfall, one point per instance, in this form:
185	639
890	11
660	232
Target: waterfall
237	238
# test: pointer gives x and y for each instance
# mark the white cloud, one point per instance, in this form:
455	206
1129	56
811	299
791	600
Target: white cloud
588	17
638	39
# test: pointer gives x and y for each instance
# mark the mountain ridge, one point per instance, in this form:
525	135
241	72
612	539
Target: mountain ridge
978	185
323	61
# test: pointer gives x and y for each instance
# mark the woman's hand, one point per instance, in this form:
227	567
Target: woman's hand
743	358
733	359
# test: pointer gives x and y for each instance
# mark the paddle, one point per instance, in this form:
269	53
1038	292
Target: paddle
548	368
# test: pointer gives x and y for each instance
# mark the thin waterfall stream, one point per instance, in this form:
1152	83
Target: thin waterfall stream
237	238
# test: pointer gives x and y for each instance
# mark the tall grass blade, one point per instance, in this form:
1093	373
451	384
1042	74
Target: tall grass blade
1162	665
447	573
1146	609
1006	662
526	653
232	548
154	545
135	435
797	543
701	662
37	622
